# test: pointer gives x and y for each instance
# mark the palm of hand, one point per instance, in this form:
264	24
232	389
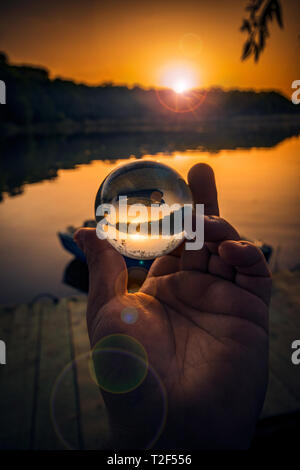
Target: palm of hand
206	348
202	318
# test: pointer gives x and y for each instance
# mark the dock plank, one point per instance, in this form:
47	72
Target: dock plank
278	400
17	387
6	323
93	416
283	395
55	354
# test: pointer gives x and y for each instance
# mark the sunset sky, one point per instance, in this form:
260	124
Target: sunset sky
151	43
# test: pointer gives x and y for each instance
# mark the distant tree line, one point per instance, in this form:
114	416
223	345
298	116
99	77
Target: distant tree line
34	98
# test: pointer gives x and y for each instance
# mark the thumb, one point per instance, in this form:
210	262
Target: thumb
202	182
107	268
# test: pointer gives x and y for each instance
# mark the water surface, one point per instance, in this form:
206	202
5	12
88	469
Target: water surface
259	192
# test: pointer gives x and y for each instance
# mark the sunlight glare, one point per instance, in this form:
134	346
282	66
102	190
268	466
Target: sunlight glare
180	86
179	77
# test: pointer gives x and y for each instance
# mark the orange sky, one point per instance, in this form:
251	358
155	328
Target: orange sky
145	42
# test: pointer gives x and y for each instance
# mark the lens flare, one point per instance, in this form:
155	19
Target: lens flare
129	315
119	363
190	45
99	435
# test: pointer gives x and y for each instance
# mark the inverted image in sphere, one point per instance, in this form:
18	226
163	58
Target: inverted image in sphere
151	223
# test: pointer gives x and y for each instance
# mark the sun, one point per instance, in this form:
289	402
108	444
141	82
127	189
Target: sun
179	77
180	86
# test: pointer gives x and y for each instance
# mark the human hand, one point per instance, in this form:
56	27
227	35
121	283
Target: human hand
203	320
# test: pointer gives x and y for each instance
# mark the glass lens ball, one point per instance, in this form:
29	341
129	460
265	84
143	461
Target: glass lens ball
154	195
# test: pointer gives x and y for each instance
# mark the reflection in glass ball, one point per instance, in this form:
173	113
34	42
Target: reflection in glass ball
154	196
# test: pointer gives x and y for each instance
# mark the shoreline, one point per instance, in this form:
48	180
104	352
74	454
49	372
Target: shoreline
68	127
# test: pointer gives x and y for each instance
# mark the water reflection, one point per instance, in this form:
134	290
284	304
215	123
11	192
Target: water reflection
29	161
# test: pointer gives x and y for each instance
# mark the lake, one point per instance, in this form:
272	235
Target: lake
49	184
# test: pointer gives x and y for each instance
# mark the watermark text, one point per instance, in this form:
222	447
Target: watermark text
2	92
122	221
2	352
296	95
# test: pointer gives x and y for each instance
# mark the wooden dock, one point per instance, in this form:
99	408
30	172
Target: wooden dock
48	403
